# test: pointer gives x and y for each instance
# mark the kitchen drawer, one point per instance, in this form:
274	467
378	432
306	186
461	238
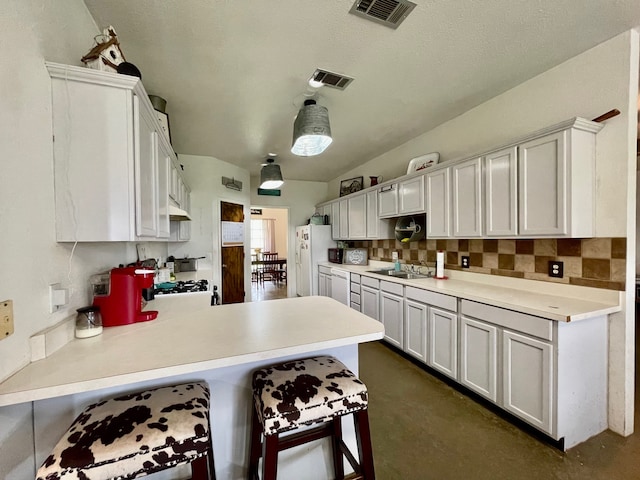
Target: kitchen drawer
370	282
323	269
355	297
355	278
391	287
355	287
516	321
355	306
432	298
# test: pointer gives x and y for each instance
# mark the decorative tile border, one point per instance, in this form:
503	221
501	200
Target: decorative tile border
588	262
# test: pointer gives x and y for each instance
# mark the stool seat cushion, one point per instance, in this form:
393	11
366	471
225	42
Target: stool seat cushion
133	435
305	392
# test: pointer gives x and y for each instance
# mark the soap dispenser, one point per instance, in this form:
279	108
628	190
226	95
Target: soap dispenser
396	262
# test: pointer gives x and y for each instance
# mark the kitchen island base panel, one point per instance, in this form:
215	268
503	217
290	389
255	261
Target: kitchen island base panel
231	407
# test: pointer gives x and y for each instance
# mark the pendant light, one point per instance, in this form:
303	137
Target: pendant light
270	175
311	130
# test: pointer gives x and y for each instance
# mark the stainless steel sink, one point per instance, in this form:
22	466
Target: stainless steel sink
392	273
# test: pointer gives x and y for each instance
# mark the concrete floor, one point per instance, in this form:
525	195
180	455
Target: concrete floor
424	429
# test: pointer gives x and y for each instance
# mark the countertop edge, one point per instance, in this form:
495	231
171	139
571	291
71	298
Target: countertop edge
592	308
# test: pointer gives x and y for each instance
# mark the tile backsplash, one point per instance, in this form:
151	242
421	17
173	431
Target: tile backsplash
588	262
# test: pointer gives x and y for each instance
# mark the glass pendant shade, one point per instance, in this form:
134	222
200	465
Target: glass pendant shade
270	176
311	130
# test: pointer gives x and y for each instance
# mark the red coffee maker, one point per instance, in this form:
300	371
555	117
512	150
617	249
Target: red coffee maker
121	294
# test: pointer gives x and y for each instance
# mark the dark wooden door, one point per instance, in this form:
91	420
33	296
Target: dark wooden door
232	255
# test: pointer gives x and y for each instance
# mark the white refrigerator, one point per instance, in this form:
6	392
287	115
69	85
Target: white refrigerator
312	243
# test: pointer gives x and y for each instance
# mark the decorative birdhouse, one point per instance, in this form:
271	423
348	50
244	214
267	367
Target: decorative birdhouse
106	55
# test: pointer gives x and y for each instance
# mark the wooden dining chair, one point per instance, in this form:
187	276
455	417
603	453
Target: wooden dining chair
269	271
254	268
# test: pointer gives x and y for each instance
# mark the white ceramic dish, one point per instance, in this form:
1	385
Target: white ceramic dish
424	161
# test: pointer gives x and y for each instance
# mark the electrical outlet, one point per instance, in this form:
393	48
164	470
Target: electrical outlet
464	261
6	318
556	269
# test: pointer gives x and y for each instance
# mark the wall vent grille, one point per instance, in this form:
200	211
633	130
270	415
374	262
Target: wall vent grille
331	79
387	12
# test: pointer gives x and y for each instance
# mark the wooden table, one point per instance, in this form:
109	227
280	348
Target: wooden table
279	273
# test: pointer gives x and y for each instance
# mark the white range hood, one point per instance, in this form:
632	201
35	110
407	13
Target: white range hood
177	214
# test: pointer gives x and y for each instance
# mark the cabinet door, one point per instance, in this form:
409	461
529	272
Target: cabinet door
438	199
415	325
164	173
478	357
467	198
173	182
344	219
184	232
527	379
392	317
542	173
146	160
388	201
443	338
411	195
335	220
357	217
322	285
370	302
372	215
501	193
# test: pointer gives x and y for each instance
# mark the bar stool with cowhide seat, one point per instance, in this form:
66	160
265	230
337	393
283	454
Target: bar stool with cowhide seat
137	434
317	390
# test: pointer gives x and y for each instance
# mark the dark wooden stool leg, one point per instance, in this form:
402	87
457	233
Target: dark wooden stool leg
202	468
270	457
256	446
363	437
336	446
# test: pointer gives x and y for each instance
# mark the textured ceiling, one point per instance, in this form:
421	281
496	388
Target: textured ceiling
234	73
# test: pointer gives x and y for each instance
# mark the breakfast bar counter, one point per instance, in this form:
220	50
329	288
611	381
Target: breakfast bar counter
190	340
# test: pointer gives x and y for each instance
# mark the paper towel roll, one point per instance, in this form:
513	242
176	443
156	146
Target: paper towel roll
440	264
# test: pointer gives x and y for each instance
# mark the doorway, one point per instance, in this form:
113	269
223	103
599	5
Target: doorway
269	245
232	252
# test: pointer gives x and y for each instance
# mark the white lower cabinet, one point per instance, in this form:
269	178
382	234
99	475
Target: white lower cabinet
324	281
443	341
370	297
527	379
479	357
392	312
415	327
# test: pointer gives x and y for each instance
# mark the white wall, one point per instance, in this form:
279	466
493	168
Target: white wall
300	198
204	177
588	85
34	31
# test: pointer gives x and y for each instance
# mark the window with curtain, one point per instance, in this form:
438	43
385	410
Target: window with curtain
263	235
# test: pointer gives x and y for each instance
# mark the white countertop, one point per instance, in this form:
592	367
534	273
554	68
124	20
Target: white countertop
568	302
189	336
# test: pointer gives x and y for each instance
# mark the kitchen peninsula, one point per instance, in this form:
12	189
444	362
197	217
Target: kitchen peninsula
190	340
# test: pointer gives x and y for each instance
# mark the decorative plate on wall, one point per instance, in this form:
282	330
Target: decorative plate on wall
424	161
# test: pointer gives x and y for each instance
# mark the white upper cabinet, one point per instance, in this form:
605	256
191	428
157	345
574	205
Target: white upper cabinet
108	173
335	220
501	193
438	200
357	217
344	219
467	198
411	195
556	181
388	200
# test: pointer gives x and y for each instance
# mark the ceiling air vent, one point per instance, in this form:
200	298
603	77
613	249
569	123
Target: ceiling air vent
387	12
331	79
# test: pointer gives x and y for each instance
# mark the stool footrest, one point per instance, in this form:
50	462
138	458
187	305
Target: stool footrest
301	438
